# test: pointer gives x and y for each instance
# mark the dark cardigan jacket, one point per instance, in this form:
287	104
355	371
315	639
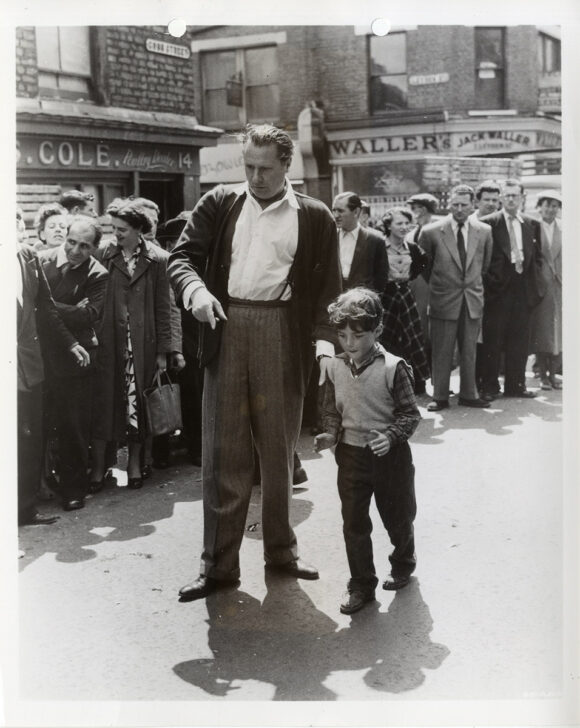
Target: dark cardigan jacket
204	252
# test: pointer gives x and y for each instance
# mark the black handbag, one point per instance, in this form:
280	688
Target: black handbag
162	405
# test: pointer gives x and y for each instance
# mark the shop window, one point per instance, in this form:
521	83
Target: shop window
489	68
549	58
64	62
388	72
240	86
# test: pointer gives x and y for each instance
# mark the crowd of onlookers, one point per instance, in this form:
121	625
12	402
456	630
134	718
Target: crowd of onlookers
479	288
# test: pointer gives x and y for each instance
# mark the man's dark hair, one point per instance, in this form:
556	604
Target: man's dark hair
360	308
512	182
75	198
130	212
263	135
353	201
462	190
93	224
488	185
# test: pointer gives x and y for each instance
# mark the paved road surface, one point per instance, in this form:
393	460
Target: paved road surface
481	621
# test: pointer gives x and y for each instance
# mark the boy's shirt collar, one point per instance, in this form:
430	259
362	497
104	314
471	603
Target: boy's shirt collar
376	351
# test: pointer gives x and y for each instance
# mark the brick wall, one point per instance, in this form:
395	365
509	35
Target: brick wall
26	73
135	78
522	68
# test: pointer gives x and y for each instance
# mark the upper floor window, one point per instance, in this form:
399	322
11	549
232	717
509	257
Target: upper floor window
489	68
240	86
388	72
64	62
549	58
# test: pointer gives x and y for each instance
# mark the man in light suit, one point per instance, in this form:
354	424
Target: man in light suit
513	288
459	251
363	253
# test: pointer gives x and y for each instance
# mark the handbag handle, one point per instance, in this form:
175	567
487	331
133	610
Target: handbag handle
157	378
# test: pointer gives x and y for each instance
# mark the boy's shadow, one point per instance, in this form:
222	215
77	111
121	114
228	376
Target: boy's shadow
286	642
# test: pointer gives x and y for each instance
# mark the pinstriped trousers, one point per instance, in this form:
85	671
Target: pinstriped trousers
250	396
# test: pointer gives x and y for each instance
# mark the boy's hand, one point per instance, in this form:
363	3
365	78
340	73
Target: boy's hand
324	441
381	444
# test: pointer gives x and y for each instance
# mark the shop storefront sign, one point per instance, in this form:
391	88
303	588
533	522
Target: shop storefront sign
34	153
468	143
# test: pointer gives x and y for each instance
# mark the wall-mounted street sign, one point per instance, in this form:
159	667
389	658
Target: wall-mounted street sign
167	49
428	79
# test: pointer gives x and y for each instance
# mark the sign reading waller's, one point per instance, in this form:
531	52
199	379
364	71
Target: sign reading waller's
47	153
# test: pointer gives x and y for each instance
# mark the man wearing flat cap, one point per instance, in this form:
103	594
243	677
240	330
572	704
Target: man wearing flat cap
546	323
423	206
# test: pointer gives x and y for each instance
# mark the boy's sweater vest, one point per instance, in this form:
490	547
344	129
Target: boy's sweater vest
365	402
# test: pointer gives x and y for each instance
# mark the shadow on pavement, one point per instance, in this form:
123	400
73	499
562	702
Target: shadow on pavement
499	419
288	643
114	514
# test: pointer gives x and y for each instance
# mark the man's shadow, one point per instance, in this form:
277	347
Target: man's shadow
285	641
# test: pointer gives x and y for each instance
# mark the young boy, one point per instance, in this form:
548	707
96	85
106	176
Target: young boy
369	412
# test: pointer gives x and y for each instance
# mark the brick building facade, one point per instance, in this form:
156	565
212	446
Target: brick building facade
126	109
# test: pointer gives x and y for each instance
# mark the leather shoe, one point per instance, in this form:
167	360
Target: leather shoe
96	486
523	393
556	384
202	587
134	483
299	476
355	600
392	583
487	396
37	519
473	402
296	568
74	505
437	404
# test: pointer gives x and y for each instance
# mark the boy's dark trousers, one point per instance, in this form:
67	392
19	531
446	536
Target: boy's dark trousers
392	480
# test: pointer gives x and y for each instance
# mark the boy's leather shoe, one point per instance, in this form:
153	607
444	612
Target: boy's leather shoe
296	568
392	583
355	600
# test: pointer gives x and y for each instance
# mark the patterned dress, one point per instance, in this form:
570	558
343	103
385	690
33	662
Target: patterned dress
130	384
402	334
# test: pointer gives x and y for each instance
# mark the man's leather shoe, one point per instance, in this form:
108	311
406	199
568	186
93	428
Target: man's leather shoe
74	505
299	476
134	483
392	583
199	589
437	404
355	600
296	568
96	486
523	393
487	396
37	519
473	402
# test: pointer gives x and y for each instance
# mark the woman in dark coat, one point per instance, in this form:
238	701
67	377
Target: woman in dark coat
135	336
402	334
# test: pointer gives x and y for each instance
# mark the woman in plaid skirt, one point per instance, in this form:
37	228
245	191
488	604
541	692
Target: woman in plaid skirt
402	334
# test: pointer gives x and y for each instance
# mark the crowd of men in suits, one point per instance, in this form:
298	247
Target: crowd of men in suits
485	284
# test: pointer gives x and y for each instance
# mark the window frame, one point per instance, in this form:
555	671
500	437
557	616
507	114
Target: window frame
371	77
240	71
57	92
499	71
543	40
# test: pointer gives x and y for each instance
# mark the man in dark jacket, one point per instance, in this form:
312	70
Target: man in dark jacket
78	284
513	287
258	266
33	297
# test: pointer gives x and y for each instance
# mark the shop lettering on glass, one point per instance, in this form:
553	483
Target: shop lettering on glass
98	155
382	145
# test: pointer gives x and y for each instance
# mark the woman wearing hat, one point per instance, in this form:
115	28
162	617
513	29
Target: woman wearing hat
546	324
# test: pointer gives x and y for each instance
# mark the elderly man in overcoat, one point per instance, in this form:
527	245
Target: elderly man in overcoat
258	265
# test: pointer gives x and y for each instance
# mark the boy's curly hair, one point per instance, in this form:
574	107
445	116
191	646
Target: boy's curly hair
360	308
